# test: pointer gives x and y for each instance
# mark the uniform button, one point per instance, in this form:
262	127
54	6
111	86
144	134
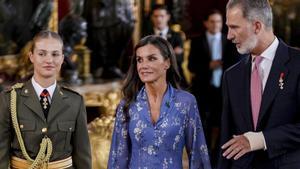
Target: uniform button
70	128
44	130
21	126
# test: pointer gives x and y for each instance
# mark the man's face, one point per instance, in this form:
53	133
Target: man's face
240	31
160	18
214	23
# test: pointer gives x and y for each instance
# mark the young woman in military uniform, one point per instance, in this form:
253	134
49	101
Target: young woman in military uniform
43	125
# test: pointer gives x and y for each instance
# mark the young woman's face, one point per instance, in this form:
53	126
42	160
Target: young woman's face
151	65
47	58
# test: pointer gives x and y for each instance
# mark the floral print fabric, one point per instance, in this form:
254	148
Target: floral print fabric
146	145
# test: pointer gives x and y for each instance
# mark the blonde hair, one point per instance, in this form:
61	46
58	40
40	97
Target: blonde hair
44	35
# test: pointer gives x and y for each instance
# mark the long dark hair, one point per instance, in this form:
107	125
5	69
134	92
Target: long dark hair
133	83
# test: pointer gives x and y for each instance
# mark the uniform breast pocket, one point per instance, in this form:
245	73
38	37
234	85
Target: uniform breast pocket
27	128
67	128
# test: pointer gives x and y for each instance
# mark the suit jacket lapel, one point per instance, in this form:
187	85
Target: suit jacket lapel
272	85
58	103
31	99
246	72
169	35
207	48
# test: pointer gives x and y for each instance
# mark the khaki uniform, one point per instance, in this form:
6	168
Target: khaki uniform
65	126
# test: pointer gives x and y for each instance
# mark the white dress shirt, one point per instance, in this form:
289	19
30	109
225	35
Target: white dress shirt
164	32
39	89
266	63
215	46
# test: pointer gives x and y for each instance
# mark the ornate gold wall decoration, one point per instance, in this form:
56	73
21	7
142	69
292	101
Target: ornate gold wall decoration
100	133
106	97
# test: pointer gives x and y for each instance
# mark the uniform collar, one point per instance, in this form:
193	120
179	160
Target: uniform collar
38	88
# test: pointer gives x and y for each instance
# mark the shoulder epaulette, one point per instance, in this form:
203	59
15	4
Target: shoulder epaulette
15	86
70	90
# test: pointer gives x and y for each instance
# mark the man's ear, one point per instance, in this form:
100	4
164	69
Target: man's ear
257	26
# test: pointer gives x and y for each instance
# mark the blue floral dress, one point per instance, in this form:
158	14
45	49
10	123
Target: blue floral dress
159	145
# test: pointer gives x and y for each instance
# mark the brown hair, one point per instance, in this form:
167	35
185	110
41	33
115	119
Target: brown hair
211	12
159	7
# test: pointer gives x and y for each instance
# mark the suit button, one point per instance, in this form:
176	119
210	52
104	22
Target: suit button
44	130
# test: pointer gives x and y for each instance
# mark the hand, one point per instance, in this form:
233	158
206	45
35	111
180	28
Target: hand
236	147
215	64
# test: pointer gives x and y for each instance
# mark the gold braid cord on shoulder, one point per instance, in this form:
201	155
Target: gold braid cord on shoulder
43	156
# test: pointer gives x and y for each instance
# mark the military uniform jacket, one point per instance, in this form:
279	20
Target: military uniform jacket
65	124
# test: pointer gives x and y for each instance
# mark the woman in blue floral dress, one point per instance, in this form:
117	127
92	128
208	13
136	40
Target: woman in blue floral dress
156	120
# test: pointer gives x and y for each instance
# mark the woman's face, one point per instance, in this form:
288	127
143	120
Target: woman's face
151	65
47	58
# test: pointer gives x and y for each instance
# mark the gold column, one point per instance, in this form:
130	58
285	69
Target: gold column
53	22
106	97
84	60
147	6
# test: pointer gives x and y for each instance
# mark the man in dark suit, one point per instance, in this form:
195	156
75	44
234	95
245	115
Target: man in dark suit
210	55
261	115
42	124
160	17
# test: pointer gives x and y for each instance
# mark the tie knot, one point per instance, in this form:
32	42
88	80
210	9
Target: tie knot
45	93
257	60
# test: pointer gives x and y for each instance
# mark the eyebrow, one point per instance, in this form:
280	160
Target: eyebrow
148	55
43	50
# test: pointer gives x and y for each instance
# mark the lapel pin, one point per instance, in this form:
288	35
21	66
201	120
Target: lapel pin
281	79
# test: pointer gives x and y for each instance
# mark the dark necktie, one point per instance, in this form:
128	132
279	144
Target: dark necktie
44	100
